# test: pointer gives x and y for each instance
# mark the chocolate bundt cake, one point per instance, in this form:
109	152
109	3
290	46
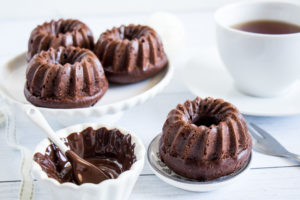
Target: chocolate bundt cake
205	139
62	32
65	78
130	53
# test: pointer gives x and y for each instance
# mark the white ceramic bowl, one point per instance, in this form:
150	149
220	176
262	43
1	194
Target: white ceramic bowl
111	189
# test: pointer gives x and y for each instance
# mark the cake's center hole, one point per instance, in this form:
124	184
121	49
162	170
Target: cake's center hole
206	121
64	59
67	59
127	36
64	29
131	34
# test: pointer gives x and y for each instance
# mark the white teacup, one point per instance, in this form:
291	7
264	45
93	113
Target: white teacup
262	65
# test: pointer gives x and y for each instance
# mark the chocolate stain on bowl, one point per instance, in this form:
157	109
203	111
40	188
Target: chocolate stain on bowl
109	150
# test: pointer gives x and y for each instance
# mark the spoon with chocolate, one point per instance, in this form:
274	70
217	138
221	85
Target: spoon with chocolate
83	171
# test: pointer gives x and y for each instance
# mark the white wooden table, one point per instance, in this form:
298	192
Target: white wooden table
268	178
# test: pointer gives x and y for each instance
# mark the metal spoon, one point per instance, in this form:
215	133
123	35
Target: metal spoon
83	171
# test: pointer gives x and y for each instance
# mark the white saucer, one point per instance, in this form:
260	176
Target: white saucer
205	75
170	177
117	98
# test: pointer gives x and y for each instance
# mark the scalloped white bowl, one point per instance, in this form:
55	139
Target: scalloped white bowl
111	189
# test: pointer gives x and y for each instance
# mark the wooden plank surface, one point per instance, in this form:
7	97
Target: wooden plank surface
269	183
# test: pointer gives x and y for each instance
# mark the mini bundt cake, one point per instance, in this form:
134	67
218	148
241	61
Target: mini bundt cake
69	77
62	32
205	139
130	53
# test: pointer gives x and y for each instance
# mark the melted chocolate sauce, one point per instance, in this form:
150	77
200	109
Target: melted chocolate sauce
109	150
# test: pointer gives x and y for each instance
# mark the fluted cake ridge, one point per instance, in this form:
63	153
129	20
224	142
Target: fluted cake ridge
205	139
65	78
130	53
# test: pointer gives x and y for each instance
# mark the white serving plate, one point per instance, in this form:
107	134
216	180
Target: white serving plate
167	175
117	98
205	75
113	189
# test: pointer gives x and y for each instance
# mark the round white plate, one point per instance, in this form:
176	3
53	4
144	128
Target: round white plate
205	75
116	99
167	175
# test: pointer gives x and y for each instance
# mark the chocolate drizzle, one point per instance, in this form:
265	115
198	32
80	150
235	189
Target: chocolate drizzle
109	150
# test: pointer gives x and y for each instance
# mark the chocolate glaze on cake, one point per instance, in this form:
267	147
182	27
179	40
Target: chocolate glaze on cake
65	78
205	139
130	53
110	150
62	32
